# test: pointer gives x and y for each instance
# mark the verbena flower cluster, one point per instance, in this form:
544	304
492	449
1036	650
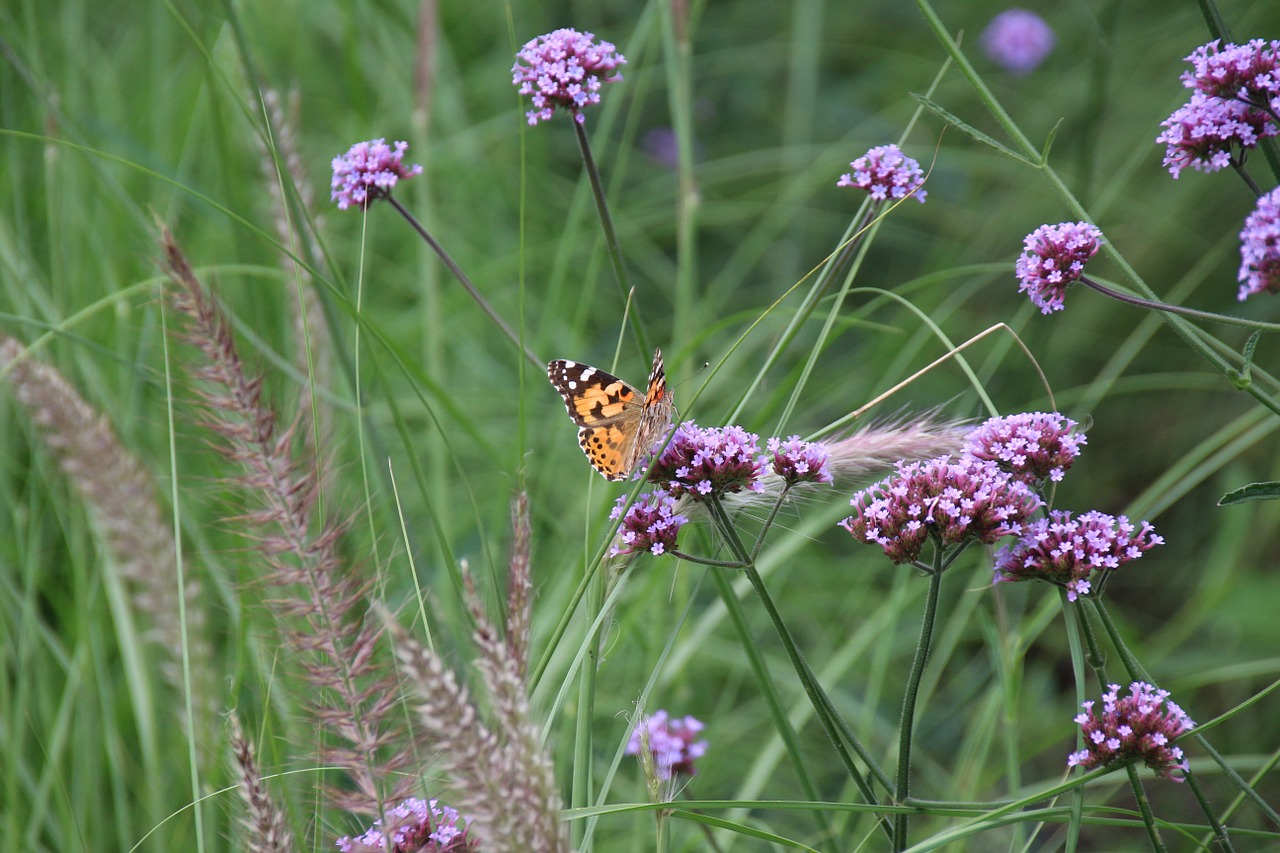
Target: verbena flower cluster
1260	248
950	501
797	461
886	173
1139	727
672	743
564	69
1017	40
422	826
368	171
1066	551
1053	256
701	462
1234	105
1034	446
651	524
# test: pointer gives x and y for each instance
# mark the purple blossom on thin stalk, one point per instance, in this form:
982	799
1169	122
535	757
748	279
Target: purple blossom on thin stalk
704	462
886	173
564	69
797	461
1139	727
1245	72
1034	447
1203	133
671	742
950	501
1017	40
1053	256
651	524
1260	248
1066	551
420	826
368	171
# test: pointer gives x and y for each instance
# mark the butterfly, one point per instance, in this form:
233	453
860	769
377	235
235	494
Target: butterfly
616	425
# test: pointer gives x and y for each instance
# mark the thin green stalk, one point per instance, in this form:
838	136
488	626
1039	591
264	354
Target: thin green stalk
1219	831
1178	309
902	789
611	237
466	283
1144	807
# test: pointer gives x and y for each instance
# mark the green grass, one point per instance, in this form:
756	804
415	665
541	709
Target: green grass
116	115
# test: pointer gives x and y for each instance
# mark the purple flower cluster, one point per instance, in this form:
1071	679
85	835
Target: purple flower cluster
1034	446
700	462
1234	104
1017	40
1053	256
1260	248
651	524
422	826
1066	551
952	502
367	172
671	743
885	172
797	461
1139	727
564	69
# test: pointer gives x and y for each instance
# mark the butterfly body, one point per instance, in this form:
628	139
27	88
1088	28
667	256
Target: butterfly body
617	425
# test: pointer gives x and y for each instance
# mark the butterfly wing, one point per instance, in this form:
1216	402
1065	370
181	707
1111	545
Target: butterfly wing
607	411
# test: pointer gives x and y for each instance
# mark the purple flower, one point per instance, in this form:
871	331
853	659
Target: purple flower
700	462
1017	40
797	461
1245	72
671	743
951	502
885	172
1065	551
1260	248
1139	727
422	826
1034	447
651	524
564	69
1053	256
367	172
1202	133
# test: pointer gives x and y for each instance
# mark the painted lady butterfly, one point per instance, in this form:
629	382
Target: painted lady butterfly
616	426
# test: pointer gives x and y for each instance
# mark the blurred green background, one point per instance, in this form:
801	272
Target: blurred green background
118	114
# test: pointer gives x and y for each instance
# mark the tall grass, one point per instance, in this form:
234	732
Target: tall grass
258	615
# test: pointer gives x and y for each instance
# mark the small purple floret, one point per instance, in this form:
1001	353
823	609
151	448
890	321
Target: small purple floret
885	172
797	461
1034	447
367	172
1017	40
1139	727
1260	248
713	461
651	524
1053	256
564	69
414	824
671	742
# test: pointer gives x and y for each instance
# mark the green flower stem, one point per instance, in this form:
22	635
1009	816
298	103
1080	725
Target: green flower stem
768	522
1178	309
611	237
1219	831
902	789
1144	806
837	732
1139	673
471	289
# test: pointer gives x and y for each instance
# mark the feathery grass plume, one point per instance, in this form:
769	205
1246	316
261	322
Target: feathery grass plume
322	606
519	587
312	353
503	777
266	828
121	499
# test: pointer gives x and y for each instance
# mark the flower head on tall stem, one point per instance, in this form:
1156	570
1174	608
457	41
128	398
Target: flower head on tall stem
1034	446
1260	248
651	524
885	172
672	743
1204	132
1066	551
797	461
1017	40
1053	256
951	502
1139	727
715	461
368	171
1245	72
564	69
423	826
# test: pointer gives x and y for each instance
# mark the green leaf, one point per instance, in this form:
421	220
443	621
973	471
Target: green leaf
1252	492
972	131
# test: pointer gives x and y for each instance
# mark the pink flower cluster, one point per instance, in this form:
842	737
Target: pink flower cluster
672	743
1139	727
885	172
1260	248
797	461
423	826
700	462
367	172
564	69
1053	256
1034	446
651	524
